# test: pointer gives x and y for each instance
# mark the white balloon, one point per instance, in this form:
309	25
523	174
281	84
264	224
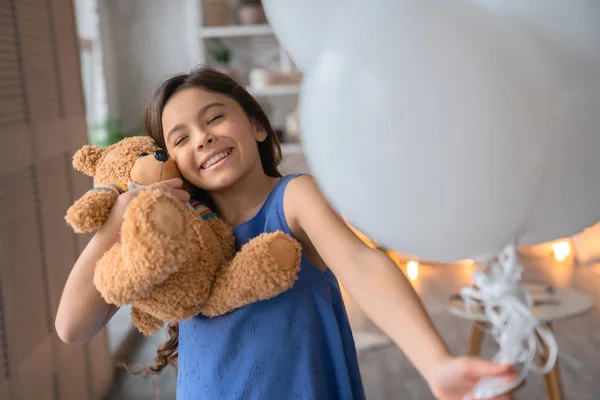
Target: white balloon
424	125
567	33
301	25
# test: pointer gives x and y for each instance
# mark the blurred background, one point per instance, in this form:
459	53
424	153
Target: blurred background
77	72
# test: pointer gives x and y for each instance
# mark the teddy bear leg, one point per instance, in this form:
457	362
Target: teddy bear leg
264	267
156	237
145	323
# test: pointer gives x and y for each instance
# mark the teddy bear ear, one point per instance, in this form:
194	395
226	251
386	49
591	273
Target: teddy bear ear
86	159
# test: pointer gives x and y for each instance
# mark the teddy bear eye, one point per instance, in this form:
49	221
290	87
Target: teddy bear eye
143	154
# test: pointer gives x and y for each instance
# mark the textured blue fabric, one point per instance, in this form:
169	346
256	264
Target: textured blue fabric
297	345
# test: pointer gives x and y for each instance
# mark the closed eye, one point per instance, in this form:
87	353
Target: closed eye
213	119
180	140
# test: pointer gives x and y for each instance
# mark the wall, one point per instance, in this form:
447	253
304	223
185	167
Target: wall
143	42
42	122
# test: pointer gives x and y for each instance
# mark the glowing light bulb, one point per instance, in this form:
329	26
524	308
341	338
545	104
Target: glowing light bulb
561	250
412	270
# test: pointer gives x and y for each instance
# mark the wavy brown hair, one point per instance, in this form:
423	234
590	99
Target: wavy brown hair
213	81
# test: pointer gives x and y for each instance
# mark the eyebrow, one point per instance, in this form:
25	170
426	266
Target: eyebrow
202	111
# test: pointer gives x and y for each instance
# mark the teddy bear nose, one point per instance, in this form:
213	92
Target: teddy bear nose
161	155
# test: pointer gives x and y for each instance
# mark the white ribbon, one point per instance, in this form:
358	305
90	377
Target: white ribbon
508	310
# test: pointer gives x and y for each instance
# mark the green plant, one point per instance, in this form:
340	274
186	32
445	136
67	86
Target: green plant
110	132
221	53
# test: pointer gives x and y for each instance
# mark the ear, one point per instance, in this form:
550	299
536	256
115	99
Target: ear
86	159
260	133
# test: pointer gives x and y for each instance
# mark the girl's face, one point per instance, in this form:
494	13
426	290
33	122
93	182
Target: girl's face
210	138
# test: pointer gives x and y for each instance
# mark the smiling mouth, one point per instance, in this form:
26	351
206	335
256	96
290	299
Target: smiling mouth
216	159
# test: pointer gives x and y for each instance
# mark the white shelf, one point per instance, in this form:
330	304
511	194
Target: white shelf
275	90
235	31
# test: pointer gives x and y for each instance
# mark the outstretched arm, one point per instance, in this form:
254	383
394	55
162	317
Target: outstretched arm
370	277
380	289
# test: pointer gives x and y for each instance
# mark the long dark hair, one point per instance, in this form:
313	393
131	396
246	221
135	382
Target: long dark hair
214	81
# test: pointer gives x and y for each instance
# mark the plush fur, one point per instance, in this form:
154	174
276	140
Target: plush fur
172	262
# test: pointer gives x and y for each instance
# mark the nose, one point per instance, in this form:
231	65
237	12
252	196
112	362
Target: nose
204	142
161	155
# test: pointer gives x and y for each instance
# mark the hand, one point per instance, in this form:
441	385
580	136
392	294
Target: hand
172	186
454	378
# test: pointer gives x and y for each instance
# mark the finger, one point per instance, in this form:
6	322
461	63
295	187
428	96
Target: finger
509	395
174	183
181	195
503	397
478	368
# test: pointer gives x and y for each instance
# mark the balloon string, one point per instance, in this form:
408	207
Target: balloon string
515	328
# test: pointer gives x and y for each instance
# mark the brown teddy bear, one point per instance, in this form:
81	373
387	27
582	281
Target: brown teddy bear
173	260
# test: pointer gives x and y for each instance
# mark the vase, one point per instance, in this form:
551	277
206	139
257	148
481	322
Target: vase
252	14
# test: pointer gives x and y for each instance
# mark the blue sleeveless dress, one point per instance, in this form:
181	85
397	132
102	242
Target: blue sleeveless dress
297	345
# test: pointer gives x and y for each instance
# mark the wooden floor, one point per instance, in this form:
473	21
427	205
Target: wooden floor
386	372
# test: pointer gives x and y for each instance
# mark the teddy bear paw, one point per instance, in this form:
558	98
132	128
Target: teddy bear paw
156	212
285	251
280	258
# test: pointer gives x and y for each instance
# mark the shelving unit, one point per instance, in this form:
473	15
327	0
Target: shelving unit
235	31
275	90
250	43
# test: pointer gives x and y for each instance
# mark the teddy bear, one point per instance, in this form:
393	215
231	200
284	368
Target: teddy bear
173	260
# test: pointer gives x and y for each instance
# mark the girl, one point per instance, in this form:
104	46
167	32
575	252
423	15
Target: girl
297	345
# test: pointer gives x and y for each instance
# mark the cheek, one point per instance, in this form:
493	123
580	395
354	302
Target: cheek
183	160
239	130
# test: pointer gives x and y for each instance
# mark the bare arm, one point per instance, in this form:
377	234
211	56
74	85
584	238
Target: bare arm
82	312
371	278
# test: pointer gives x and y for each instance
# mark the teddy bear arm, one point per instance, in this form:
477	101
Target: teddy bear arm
224	236
91	210
265	267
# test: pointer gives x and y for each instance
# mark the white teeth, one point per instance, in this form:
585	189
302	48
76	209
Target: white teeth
216	158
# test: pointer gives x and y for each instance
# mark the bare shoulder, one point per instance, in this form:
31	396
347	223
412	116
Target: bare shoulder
302	193
298	186
304	204
303	181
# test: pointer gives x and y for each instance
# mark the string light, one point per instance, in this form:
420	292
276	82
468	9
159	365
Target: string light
412	270
561	250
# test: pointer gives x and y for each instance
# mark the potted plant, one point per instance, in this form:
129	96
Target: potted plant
110	132
222	55
251	12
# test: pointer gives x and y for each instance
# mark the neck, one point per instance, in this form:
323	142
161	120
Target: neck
240	201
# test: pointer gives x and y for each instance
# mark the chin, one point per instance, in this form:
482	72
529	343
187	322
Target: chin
215	182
